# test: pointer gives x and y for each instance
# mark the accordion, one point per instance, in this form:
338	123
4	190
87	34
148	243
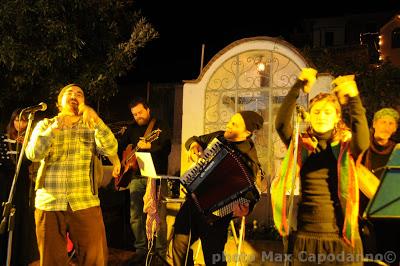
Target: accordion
221	179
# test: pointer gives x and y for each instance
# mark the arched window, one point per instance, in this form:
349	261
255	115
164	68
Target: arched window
257	80
396	38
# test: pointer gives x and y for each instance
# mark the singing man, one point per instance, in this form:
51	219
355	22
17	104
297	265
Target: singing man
65	200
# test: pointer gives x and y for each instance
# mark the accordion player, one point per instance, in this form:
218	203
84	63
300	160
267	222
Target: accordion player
212	185
220	179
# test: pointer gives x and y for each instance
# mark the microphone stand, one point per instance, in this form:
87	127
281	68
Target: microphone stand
8	216
296	134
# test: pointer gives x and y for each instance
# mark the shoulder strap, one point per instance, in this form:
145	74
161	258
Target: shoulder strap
150	127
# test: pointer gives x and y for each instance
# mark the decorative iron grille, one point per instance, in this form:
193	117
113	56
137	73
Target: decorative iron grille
254	80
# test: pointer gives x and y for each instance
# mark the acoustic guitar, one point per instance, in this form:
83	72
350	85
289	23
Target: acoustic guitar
129	163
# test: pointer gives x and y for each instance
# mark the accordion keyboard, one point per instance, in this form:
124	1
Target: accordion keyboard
227	209
220	180
194	176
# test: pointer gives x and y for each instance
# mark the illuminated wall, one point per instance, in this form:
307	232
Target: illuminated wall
389	41
249	74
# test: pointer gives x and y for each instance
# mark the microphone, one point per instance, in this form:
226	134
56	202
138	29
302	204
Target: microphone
302	113
32	109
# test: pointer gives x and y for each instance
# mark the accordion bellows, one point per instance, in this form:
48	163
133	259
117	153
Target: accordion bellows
219	180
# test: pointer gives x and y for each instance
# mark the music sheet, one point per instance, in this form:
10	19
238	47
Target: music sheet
146	164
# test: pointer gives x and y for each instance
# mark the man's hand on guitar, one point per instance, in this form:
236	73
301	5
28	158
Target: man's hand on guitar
143	145
240	209
195	152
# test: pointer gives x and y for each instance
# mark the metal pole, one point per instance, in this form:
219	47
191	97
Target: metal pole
291	197
8	210
202	57
148	91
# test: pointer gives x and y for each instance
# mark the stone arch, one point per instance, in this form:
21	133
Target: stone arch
232	82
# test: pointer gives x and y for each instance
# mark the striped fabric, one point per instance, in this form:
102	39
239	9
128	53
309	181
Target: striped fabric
65	155
347	189
150	201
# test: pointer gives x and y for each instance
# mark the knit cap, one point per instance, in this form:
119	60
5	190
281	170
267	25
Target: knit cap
386	111
252	120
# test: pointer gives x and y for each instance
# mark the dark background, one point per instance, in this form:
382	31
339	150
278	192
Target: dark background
185	25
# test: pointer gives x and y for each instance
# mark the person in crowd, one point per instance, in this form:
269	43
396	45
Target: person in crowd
380	236
190	223
384	126
24	249
66	200
138	136
325	230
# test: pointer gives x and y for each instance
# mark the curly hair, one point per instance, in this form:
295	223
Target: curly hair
341	131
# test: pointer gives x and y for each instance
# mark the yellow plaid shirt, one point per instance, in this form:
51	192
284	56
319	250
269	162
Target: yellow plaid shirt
65	157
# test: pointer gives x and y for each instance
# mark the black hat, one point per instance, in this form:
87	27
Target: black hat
252	120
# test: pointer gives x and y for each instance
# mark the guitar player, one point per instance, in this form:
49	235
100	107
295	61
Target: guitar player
159	148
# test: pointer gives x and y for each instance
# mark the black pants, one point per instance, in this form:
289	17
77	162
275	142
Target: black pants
213	236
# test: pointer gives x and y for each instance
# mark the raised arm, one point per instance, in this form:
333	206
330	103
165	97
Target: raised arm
283	119
347	93
359	127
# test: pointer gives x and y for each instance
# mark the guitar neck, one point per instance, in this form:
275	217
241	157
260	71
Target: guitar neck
132	153
148	138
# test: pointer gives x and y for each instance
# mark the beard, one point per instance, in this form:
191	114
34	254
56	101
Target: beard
72	107
383	136
142	121
229	135
75	108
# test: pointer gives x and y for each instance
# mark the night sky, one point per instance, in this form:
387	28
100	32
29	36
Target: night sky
185	25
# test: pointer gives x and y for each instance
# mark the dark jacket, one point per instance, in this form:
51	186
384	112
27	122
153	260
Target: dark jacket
160	148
